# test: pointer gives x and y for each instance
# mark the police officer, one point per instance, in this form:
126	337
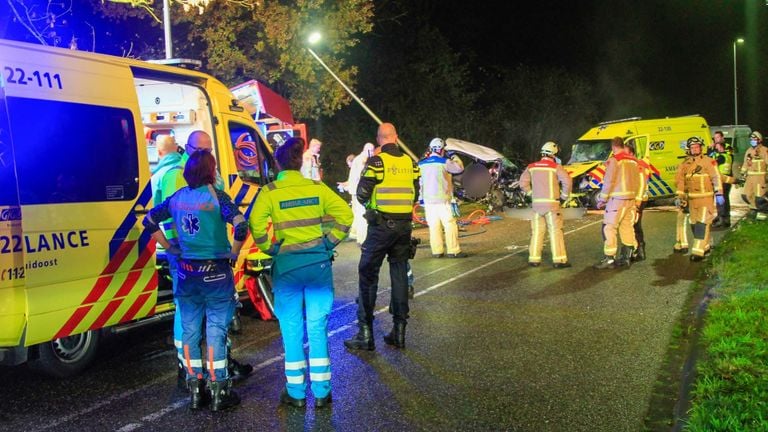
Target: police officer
436	191
205	277
697	181
753	172
723	155
167	178
620	188
301	272
388	189
549	185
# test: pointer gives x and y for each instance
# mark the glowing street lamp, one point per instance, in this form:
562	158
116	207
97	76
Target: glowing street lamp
315	38
735	86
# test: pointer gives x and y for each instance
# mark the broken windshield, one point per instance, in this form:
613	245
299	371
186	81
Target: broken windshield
593	150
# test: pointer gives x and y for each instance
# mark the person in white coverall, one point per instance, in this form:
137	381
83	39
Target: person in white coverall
359	224
436	194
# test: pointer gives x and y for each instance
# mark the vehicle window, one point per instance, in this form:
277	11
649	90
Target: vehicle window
254	164
82	153
594	150
8	193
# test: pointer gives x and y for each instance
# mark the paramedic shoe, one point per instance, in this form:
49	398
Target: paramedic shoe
323	401
198	396
222	395
286	399
397	336
608	262
410	292
238	371
363	340
458	255
561	265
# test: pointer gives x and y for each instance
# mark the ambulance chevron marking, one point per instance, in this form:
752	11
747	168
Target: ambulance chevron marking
73	321
106	314
145	295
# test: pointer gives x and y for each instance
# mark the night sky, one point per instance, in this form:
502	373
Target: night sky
652	58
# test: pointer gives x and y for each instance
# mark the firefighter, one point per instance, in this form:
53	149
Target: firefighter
753	172
549	186
206	281
620	188
641	200
722	154
697	181
388	189
301	271
436	192
167	178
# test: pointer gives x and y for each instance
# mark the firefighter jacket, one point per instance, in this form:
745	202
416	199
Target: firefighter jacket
697	177
724	162
296	206
643	176
754	161
389	183
167	178
547	182
621	179
436	180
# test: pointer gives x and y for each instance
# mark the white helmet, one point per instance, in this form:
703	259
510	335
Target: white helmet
437	144
549	148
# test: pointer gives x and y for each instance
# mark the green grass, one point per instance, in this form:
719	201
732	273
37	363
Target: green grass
731	389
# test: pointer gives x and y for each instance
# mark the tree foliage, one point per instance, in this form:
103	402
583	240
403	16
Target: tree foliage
237	40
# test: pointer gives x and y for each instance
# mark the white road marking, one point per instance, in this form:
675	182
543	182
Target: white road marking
180	403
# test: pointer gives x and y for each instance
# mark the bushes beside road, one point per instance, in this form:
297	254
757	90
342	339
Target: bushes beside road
731	388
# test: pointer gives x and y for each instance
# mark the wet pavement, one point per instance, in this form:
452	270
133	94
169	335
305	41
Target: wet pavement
492	344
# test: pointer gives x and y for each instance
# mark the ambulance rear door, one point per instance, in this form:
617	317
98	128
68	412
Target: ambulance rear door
12	272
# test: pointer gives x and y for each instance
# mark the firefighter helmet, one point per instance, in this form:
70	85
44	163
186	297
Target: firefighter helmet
691	141
549	148
756	135
437	145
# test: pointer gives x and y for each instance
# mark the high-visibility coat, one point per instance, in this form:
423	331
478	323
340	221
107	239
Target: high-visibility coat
621	179
394	176
547	182
296	206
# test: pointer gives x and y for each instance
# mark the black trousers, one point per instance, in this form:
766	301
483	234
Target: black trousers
724	211
392	239
638	226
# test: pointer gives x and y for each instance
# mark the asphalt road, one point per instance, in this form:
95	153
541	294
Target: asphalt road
491	345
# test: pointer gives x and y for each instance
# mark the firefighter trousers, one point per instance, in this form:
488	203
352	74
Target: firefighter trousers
702	212
441	221
309	287
551	222
754	187
681	229
618	223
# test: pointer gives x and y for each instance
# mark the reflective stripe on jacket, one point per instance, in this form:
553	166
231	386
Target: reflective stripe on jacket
547	182
754	161
394	193
697	177
621	179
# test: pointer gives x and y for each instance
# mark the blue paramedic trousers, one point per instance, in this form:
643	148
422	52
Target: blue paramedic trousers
205	290
178	341
311	287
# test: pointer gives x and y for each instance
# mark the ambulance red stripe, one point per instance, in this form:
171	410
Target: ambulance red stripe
106	314
119	257
135	307
73	321
98	290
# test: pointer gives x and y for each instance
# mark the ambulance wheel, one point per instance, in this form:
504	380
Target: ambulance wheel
67	356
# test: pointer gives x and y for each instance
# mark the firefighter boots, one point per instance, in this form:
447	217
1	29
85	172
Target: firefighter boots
363	340
397	336
198	396
222	395
608	262
624	259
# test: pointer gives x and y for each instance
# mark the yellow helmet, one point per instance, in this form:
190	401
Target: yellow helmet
549	148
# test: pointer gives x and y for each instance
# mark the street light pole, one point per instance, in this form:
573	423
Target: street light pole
735	85
358	100
167	29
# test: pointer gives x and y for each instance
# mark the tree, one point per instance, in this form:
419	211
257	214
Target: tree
237	40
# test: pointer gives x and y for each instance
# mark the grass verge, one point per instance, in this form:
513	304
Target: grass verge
731	387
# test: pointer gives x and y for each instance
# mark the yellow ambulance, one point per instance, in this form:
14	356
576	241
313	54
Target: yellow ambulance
75	168
661	142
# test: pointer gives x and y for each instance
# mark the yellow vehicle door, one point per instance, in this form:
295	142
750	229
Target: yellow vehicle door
12	271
